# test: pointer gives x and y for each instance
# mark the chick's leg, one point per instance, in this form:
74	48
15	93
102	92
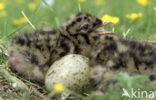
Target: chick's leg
27	65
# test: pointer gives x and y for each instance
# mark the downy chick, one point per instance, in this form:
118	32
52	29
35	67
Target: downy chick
31	54
114	55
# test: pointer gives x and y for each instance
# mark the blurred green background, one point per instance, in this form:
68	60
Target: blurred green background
46	14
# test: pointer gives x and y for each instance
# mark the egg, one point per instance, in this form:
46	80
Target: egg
72	71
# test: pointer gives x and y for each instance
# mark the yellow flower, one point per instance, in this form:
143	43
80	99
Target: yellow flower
19	1
134	16
106	17
59	87
32	6
19	21
99	2
2	5
3	13
82	1
143	2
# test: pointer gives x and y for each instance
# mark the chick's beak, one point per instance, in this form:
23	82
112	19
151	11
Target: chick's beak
104	23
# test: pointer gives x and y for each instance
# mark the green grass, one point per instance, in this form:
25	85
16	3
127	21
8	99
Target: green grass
46	17
54	16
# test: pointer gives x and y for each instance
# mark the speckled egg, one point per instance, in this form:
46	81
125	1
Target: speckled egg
72	71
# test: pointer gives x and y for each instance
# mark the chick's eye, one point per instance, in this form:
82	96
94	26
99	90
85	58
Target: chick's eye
85	27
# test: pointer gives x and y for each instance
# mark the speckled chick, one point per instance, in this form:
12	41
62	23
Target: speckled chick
31	54
118	55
